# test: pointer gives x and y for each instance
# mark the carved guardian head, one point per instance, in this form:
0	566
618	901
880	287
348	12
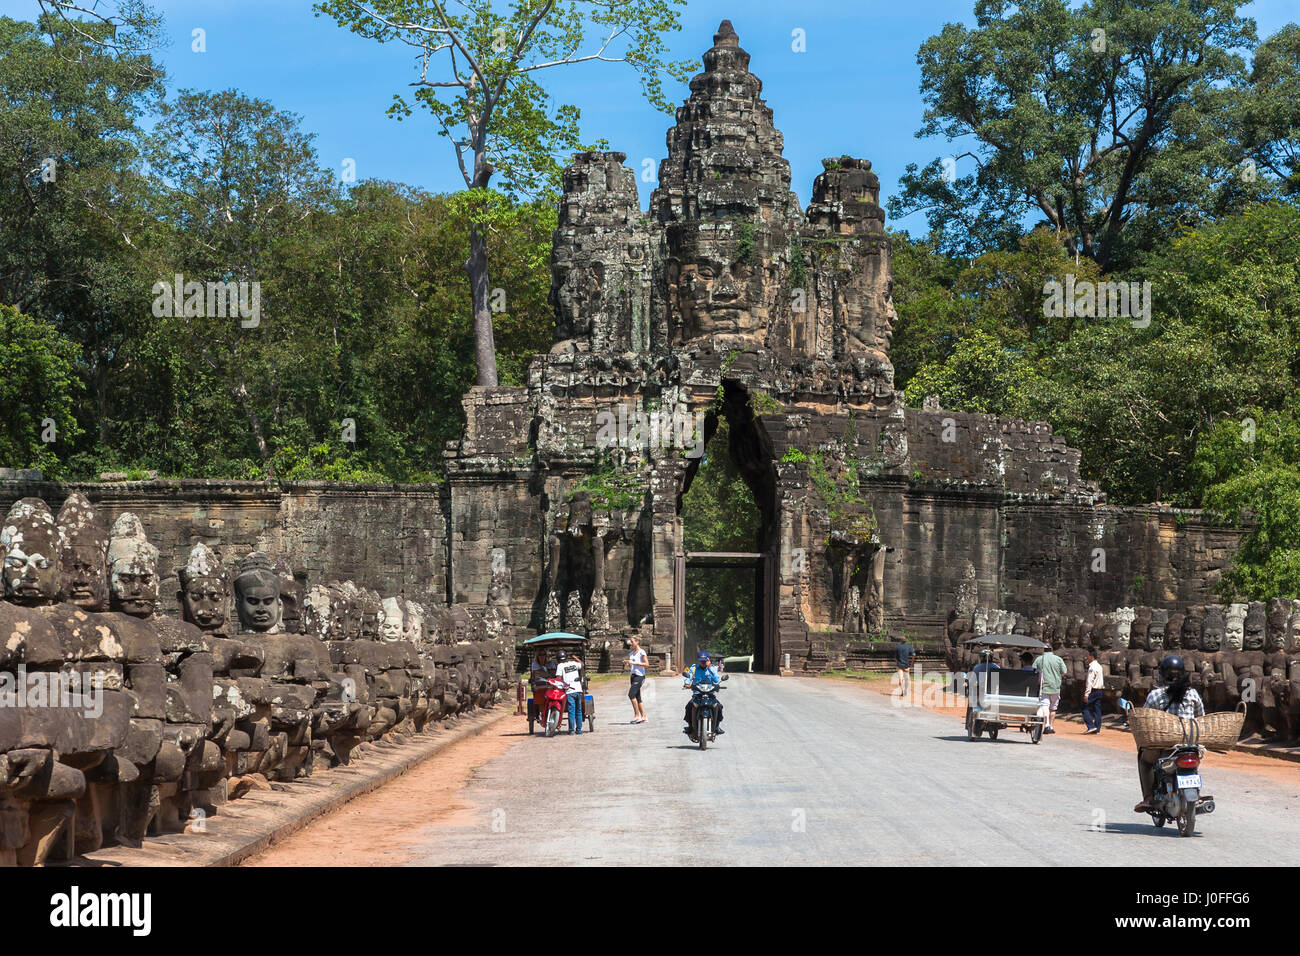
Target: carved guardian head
133	568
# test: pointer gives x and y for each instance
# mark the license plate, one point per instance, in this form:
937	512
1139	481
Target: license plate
1189	781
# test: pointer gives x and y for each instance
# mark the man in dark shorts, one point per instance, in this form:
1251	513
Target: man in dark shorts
904	654
637	660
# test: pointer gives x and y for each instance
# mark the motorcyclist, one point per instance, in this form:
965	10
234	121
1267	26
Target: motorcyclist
701	673
1173	696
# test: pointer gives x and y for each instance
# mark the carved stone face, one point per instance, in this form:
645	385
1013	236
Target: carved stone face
205	602
413	628
1256	628
1193	628
1072	632
1235	627
1103	633
33	551
83	566
257	594
258	605
133	568
1156	630
1279	611
716	281
1293	629
293	593
1174	631
322	612
205	591
370	612
1123	626
392	621
1213	629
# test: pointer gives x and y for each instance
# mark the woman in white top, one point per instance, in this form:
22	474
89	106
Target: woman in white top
637	660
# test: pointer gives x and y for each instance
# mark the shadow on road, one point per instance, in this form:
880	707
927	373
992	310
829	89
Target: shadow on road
1142	829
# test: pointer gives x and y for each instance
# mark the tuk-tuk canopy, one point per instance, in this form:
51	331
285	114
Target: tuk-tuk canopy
1007	640
555	639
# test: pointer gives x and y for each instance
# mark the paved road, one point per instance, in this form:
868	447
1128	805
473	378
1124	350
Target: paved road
820	771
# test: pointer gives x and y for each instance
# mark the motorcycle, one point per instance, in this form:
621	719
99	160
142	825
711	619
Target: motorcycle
705	698
554	701
1176	794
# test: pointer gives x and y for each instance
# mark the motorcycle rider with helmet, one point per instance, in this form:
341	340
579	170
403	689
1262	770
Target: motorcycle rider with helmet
1175	697
701	673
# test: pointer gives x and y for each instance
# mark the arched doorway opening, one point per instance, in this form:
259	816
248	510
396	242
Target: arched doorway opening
726	581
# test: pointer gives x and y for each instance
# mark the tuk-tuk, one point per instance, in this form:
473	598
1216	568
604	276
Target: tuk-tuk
1004	697
553	643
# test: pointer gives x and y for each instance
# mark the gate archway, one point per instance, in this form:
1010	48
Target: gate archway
748	554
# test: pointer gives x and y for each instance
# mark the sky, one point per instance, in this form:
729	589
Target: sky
854	91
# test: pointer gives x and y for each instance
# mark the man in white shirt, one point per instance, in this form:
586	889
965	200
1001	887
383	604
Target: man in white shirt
569	669
1092	694
637	660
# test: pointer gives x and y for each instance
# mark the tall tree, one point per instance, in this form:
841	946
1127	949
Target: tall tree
479	72
1269	112
1092	117
69	145
237	179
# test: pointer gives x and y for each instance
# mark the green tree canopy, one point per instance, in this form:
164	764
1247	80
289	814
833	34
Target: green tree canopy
37	384
1093	117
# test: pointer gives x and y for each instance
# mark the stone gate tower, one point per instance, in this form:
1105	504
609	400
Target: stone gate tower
726	300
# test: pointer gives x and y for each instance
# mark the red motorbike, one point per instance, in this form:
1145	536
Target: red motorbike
548	705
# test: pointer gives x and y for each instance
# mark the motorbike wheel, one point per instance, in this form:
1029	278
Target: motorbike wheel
1187	822
702	731
552	722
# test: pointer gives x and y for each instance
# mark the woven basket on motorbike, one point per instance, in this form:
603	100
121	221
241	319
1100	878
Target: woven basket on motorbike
1157	728
1220	731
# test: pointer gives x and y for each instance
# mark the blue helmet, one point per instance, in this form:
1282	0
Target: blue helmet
704	656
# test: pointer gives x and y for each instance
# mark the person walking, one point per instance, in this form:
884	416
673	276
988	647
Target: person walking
1052	668
904	654
1092	694
570	671
637	661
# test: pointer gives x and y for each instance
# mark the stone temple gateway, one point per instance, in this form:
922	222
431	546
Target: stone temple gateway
726	300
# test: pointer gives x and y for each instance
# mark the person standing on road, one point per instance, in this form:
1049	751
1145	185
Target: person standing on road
1092	694
1052	669
637	660
570	671
904	654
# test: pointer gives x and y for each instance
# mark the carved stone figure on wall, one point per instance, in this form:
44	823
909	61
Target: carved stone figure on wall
133	568
293	593
257	594
574	619
84	561
205	592
33	552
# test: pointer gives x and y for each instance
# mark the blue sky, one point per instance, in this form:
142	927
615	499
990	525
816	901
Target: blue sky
855	90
